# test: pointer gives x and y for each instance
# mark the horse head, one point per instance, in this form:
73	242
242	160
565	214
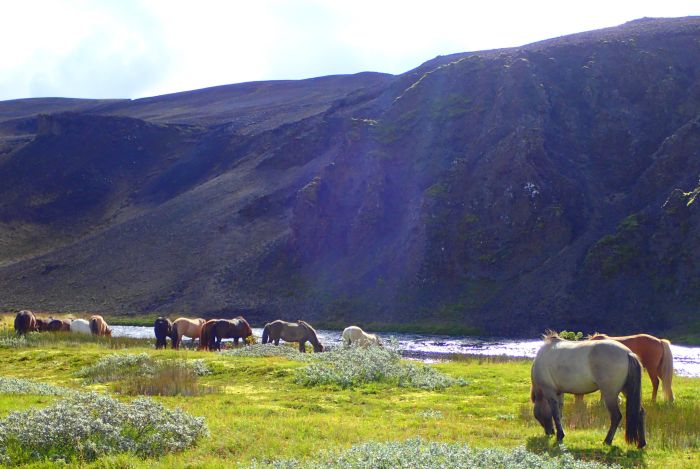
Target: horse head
542	410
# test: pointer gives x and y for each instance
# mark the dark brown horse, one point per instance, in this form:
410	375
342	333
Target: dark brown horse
25	322
236	328
58	325
299	331
163	328
42	325
206	334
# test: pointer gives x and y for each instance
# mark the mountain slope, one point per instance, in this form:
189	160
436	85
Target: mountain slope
551	185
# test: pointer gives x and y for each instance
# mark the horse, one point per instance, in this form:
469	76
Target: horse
80	326
563	366
299	331
236	328
42	324
98	326
58	325
355	335
206	337
655	355
25	321
189	327
163	328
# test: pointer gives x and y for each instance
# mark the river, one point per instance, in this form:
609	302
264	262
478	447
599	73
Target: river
686	360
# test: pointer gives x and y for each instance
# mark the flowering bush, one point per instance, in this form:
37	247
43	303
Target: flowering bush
417	454
85	426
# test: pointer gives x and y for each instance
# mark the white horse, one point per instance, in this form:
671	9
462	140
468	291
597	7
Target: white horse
563	366
81	326
355	335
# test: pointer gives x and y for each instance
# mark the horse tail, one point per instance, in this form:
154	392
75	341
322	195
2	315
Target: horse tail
174	336
666	370
634	423
266	333
204	338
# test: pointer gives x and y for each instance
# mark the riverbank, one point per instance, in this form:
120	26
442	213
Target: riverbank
255	409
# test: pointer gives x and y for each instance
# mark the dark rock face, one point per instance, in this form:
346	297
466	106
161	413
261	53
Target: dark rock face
552	185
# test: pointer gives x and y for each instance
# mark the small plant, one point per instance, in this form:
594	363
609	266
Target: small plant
419	454
571	335
86	426
25	386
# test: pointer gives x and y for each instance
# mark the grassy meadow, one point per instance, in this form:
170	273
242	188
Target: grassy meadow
257	411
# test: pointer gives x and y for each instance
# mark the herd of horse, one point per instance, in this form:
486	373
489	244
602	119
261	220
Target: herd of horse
26	321
611	365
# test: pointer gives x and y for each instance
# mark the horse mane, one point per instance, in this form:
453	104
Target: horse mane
550	335
597	334
305	324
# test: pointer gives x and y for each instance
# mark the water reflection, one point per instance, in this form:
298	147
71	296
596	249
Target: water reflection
686	360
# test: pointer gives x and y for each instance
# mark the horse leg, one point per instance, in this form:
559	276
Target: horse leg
578	399
615	416
654	384
277	341
235	341
556	406
302	347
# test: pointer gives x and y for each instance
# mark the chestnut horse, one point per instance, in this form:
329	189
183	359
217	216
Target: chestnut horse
655	355
25	321
355	335
162	328
206	337
236	328
191	328
565	366
98	326
299	331
58	325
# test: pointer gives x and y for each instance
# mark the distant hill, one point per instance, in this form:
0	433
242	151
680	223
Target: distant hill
504	191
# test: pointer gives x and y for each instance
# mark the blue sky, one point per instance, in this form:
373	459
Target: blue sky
137	48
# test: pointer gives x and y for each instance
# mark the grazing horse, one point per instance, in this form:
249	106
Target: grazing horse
206	337
163	328
80	326
189	327
236	328
58	325
42	324
98	326
299	331
563	366
655	355
355	335
25	322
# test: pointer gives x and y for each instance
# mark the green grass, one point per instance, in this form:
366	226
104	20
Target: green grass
258	412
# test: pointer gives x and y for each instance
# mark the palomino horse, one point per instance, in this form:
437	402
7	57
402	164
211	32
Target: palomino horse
80	326
236	328
355	335
563	366
162	328
98	326
25	322
655	355
299	331
191	328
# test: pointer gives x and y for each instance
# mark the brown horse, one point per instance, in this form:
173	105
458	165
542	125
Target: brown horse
42	325
299	331
655	355
98	326
25	321
189	327
58	325
206	336
236	328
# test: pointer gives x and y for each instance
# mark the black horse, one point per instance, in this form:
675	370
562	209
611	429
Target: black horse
163	328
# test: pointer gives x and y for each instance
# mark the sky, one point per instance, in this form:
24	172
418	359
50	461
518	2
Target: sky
138	48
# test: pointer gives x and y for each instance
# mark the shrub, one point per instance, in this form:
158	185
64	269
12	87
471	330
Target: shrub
347	367
85	426
418	454
571	335
25	386
142	374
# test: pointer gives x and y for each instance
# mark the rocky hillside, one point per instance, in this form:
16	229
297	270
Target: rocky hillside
550	185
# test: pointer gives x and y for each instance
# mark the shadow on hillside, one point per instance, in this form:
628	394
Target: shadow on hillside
610	455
